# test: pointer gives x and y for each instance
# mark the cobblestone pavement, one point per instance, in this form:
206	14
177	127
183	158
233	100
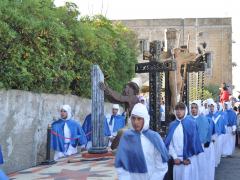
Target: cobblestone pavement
84	169
103	169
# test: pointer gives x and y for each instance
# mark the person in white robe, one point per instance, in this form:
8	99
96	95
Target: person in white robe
141	154
184	145
231	125
219	130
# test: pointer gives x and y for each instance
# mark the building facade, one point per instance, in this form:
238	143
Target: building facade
216	32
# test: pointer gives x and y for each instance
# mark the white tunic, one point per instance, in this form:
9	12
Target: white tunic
229	141
210	159
156	168
182	172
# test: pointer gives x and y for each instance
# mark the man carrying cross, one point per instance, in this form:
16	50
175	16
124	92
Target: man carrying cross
67	134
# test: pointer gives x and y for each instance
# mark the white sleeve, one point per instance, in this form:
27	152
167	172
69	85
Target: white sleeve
234	128
160	168
123	174
172	151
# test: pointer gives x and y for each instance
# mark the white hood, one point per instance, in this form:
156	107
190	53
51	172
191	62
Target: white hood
140	110
186	112
228	104
68	109
211	102
198	103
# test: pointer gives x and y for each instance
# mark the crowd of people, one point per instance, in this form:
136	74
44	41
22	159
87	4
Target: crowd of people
195	142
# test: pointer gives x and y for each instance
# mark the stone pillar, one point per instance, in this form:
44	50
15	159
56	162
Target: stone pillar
97	112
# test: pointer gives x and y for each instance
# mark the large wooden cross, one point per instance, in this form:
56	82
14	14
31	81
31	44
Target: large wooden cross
154	67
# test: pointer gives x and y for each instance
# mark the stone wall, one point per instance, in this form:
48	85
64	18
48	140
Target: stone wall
24	117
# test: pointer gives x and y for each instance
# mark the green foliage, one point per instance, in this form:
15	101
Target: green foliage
214	90
49	49
195	94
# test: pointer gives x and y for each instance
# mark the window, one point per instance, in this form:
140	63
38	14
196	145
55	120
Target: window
143	45
209	62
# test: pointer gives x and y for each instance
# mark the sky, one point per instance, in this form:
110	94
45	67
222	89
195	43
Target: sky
159	9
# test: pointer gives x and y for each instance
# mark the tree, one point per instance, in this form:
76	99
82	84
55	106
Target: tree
49	49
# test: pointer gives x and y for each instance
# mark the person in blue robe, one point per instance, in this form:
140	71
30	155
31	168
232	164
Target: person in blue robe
202	122
218	119
203	128
219	129
3	176
87	128
184	144
141	153
67	134
115	121
231	127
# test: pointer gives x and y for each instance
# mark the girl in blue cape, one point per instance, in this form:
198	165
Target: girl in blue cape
141	153
205	168
67	134
230	118
184	145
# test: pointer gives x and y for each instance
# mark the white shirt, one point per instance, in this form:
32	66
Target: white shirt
111	126
67	133
176	144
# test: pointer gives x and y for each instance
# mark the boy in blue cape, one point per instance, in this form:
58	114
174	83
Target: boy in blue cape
67	134
87	128
2	174
115	122
184	145
141	153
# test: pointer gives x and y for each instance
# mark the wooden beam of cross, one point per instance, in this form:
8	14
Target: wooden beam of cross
154	68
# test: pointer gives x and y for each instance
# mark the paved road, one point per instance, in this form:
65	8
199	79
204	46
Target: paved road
229	168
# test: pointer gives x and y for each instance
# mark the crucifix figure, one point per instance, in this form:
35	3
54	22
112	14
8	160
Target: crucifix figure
199	65
154	67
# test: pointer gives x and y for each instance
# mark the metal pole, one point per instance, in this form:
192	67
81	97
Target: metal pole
48	153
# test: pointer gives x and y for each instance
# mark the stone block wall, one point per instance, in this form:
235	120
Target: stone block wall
24	117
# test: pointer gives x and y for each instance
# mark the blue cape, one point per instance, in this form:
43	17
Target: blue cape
219	127
230	117
191	141
79	138
203	127
119	122
3	175
87	127
1	156
211	129
130	155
